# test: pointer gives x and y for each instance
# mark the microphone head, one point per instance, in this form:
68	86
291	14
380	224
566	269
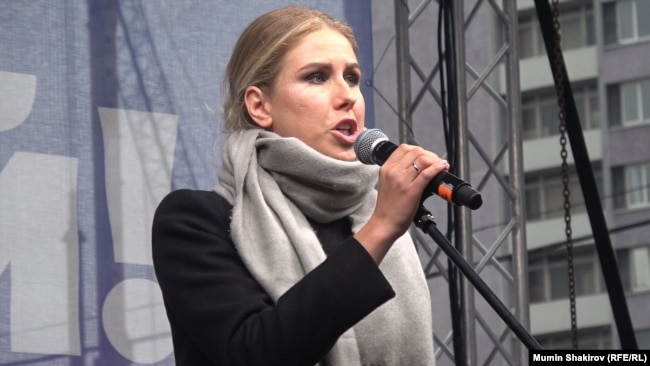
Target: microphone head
365	145
465	195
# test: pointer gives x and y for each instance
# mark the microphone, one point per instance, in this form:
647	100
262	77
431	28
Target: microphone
373	147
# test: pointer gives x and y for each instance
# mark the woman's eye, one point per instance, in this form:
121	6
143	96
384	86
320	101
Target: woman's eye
352	79
316	78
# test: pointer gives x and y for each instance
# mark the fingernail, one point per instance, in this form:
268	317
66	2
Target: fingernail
444	163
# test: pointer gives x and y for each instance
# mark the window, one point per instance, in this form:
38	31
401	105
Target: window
629	103
631	186
530	37
545	198
626	21
539	111
636	185
633	96
640	269
634	266
643	338
591	338
548	276
576	27
536	280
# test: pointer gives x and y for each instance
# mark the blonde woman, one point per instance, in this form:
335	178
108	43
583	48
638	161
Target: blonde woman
294	258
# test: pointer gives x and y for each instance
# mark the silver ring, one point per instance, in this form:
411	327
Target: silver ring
416	168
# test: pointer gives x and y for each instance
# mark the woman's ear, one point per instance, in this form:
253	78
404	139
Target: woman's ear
258	107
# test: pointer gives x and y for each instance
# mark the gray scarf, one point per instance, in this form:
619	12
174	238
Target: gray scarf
272	183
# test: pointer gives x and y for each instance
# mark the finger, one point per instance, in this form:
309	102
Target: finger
416	167
425	159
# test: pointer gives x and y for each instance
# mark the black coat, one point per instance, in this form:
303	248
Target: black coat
220	315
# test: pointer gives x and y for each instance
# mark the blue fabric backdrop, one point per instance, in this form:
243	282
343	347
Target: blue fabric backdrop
105	106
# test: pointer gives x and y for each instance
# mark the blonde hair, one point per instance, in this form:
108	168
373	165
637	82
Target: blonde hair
260	50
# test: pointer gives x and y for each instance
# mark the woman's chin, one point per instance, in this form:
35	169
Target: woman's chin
345	156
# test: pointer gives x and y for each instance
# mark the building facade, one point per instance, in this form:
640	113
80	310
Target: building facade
606	47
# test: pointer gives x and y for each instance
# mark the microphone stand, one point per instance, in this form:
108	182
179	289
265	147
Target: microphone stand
424	220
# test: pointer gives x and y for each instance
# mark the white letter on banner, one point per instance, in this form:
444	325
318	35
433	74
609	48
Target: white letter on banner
135	321
139	152
38	232
17	92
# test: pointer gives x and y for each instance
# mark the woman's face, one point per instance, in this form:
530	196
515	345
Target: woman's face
316	96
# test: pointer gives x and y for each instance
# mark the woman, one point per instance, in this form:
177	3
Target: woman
294	258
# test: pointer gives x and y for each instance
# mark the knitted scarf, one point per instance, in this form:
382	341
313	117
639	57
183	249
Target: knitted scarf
272	183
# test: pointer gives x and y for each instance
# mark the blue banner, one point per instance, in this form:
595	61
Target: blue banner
105	107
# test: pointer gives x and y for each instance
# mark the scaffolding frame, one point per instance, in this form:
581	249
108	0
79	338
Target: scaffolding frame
505	165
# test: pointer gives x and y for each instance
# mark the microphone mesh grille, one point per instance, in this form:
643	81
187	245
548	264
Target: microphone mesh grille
365	144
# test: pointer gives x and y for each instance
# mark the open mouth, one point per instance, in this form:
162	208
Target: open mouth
346	131
347	128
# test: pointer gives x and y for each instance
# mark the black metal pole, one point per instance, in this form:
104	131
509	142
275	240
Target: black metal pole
424	220
588	184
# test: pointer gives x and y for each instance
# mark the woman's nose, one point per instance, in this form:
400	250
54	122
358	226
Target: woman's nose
346	96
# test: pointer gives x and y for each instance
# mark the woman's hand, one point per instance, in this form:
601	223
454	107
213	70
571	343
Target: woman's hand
402	180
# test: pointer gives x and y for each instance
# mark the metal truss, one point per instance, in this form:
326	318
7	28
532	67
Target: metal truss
497	164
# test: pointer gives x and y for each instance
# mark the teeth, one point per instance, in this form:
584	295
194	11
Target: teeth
344	131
